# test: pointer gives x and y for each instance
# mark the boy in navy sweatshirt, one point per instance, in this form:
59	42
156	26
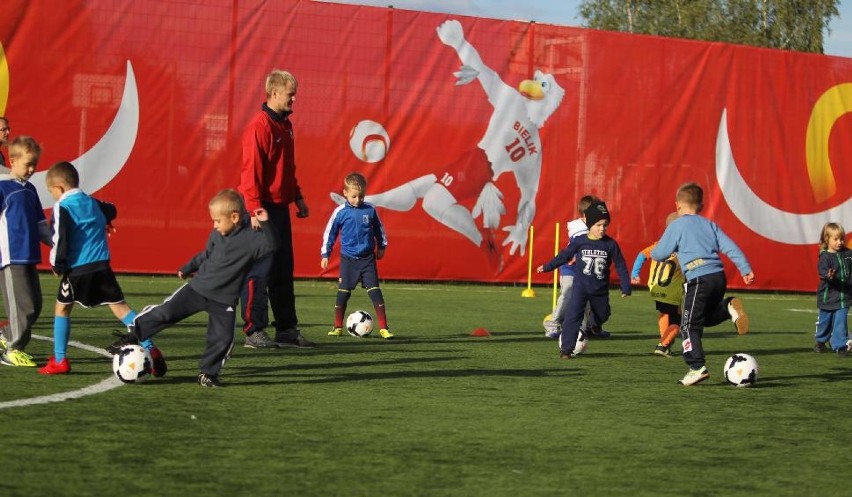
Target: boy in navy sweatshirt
595	253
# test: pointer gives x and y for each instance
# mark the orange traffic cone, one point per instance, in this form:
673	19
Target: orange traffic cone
480	332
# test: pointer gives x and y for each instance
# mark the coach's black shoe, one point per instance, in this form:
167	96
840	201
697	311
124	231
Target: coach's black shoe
820	347
598	332
123	339
292	338
208	380
843	351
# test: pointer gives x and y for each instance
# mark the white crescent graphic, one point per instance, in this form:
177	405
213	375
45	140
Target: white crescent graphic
101	163
762	218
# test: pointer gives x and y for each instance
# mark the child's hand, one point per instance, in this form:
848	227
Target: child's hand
635	281
261	215
540	269
829	275
324	263
380	253
748	279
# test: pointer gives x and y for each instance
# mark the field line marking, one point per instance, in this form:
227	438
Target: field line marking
103	386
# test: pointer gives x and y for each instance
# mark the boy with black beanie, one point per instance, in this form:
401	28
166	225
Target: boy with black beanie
595	252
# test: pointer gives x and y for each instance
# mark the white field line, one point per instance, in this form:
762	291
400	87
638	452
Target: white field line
103	386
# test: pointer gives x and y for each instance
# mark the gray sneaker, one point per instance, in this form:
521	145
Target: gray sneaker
292	338
259	340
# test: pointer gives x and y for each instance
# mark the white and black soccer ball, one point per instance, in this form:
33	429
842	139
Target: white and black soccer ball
581	345
359	324
132	364
741	370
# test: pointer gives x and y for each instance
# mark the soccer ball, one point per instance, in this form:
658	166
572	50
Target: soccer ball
132	364
741	370
359	324
369	141
581	345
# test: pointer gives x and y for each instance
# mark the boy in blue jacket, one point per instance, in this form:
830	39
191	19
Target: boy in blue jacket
362	242
81	257
698	243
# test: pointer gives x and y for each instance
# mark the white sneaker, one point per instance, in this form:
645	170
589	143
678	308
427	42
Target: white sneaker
738	315
695	376
551	327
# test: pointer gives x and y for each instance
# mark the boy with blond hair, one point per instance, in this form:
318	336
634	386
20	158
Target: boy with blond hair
698	243
22	226
217	274
362	242
80	256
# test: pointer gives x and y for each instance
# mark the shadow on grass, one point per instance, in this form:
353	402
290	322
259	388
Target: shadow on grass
396	375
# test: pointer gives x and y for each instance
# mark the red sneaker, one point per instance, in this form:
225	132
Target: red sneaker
53	367
158	367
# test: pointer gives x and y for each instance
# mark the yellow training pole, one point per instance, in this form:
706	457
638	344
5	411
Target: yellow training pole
529	292
555	271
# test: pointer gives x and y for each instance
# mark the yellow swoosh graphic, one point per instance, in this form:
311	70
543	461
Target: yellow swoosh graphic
4	81
830	106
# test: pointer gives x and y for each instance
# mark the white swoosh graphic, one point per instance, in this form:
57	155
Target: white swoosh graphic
101	163
762	218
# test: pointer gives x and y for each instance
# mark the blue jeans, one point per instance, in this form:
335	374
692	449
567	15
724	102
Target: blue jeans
832	324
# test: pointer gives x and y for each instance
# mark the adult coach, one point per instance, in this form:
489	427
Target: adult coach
268	180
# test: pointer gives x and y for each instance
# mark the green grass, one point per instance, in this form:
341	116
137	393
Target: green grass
435	411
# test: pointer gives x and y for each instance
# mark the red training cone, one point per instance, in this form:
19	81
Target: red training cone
480	332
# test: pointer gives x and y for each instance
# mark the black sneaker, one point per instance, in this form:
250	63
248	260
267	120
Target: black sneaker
123	339
288	338
663	350
843	351
259	340
820	347
598	332
208	380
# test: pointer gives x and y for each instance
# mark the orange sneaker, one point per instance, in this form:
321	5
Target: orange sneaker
53	367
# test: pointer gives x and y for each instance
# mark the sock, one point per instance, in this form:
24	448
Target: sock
128	320
340	306
671	333
61	331
378	299
663	324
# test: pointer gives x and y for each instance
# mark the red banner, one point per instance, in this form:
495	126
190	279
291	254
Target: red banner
468	130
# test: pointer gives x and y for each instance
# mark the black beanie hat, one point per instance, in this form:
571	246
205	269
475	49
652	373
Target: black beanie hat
595	212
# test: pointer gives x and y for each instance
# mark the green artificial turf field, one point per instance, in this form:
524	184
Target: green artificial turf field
435	411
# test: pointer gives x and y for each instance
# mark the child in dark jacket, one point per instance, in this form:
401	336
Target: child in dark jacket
594	253
217	275
833	293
